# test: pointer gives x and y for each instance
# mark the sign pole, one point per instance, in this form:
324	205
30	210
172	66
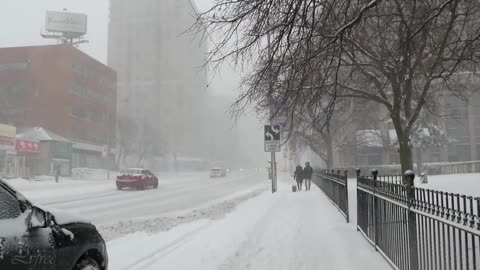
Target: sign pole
272	144
274	173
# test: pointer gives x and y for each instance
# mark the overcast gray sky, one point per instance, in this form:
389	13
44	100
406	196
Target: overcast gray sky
22	20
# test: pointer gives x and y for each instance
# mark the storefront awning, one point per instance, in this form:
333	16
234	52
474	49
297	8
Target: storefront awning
27	146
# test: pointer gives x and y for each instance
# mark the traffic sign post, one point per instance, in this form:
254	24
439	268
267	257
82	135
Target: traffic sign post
272	145
272	138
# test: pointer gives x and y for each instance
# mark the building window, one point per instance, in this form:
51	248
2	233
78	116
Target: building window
90	94
79	112
13	66
15	89
93	75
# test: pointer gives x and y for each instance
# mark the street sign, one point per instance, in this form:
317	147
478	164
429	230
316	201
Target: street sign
272	138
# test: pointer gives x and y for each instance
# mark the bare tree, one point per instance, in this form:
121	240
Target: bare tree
309	54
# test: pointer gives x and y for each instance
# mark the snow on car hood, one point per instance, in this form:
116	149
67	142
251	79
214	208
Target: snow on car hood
63	217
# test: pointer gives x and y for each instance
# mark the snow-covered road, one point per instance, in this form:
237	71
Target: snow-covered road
102	203
281	231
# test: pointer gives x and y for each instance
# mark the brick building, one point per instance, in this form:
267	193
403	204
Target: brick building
62	89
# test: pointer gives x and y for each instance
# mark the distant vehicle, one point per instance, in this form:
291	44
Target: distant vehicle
217	172
136	178
33	238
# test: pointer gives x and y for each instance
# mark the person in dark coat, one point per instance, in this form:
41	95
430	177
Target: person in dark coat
307	175
298	176
56	171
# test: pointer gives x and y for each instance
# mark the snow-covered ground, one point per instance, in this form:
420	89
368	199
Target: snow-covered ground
100	201
281	231
467	184
194	222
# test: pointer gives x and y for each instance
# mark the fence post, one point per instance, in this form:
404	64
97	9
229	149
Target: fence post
412	221
375	207
358	171
346	196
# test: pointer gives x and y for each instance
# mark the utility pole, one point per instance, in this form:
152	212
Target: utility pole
271	101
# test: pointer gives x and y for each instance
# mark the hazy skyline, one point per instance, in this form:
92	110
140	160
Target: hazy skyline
23	20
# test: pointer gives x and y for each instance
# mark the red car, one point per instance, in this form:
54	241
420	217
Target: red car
136	178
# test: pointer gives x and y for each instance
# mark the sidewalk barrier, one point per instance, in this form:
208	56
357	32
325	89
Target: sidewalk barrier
415	228
335	186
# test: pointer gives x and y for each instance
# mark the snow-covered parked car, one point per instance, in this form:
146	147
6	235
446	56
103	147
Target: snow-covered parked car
136	178
35	239
218	172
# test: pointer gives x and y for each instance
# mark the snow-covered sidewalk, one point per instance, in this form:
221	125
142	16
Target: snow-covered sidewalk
281	231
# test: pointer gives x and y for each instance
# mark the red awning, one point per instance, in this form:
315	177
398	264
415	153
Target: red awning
25	146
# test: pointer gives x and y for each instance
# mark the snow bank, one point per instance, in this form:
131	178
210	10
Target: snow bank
466	184
92	174
281	231
159	246
213	211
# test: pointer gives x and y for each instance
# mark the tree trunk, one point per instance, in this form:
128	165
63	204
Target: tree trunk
405	149
406	154
419	160
119	156
124	157
141	157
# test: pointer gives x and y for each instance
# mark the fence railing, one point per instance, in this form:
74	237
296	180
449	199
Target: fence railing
457	167
335	186
428	168
416	228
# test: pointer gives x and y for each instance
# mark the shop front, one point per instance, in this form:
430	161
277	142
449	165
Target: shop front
61	153
28	157
7	150
54	153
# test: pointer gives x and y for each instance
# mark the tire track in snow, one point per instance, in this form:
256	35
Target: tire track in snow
127	198
113	205
166	204
153	256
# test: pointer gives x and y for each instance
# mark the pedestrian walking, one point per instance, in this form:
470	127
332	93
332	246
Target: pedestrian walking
298	176
307	175
423	178
56	170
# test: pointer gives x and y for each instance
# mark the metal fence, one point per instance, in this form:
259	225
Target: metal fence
457	167
335	186
416	228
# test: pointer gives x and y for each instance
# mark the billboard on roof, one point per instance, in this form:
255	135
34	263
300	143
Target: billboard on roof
66	22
